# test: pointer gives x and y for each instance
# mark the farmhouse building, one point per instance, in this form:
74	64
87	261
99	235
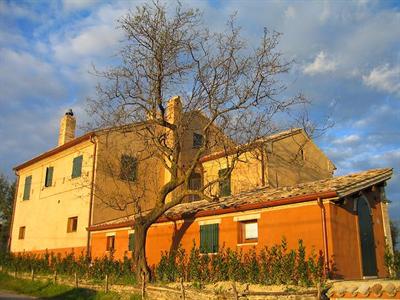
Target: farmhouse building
73	197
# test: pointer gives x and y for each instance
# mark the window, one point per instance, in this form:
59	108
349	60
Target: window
21	234
77	167
224	184
49	177
248	231
27	187
110	243
131	245
197	140
72	224
209	236
128	168
194	184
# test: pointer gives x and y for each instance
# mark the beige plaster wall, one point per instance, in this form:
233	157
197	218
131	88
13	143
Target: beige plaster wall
45	214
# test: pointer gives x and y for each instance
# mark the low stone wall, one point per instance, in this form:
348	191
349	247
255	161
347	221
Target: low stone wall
365	289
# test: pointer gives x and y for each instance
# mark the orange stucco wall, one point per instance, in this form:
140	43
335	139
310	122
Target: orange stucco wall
294	223
297	221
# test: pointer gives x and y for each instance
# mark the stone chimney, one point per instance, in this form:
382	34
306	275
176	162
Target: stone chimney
174	110
67	128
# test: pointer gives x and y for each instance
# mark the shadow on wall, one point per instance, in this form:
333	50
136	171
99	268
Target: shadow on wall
179	233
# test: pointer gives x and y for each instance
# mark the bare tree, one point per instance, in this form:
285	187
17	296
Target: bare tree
231	86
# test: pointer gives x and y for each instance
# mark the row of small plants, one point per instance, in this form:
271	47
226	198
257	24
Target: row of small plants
274	265
69	265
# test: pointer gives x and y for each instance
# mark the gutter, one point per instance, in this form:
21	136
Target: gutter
94	141
13	212
239	208
324	234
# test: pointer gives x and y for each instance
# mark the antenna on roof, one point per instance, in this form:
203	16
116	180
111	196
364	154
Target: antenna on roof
69	112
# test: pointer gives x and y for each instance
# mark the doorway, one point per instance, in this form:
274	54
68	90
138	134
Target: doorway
366	238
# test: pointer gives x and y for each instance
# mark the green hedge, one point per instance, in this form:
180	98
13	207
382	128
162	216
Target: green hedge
84	267
275	265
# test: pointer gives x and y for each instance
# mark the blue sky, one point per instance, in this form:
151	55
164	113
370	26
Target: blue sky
347	62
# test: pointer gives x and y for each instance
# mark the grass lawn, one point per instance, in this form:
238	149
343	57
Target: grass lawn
49	290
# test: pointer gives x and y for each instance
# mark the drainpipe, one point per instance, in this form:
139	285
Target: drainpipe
94	141
324	233
13	211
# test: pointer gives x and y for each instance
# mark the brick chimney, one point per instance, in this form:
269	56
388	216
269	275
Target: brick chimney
67	128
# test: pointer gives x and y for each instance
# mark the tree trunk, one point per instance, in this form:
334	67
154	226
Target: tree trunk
139	254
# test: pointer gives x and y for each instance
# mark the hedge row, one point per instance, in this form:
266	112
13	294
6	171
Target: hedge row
274	265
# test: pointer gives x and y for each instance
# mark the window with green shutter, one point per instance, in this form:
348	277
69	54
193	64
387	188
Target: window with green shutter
27	187
225	182
131	245
49	177
128	168
209	236
77	167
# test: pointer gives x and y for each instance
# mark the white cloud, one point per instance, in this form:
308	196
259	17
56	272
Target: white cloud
24	76
91	42
384	78
74	5
290	12
347	140
321	64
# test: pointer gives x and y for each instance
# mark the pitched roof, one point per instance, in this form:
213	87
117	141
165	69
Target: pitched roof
53	151
336	187
245	147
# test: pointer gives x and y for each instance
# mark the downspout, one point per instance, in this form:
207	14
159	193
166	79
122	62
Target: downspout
13	212
324	233
94	141
262	167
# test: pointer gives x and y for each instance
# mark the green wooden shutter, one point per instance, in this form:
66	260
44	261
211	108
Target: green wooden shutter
209	238
225	184
49	176
215	244
128	168
77	166
131	246
27	187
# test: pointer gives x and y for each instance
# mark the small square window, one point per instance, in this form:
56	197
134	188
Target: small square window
21	234
248	231
128	168
110	243
72	224
197	140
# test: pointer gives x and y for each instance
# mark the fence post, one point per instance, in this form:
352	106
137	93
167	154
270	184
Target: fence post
143	285
235	292
76	280
106	287
183	289
55	276
32	274
15	272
